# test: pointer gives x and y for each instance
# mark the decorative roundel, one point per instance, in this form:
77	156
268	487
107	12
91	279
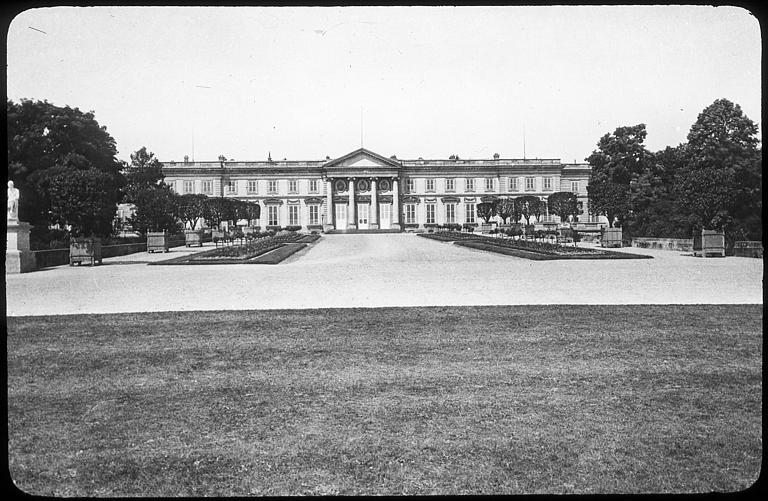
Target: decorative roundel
363	185
340	185
384	184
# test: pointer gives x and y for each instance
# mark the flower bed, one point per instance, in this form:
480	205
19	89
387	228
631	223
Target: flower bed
249	252
529	249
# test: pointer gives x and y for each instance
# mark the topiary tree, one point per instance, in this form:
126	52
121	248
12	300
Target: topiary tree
486	210
218	209
529	206
505	207
564	204
192	208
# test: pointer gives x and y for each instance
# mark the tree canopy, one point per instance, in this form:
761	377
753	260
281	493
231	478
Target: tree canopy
45	141
157	209
620	157
144	171
486	210
564	204
83	199
530	206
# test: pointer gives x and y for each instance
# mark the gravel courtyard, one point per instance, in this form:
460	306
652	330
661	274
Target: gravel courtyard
372	270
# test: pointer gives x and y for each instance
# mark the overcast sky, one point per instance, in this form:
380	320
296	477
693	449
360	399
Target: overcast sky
430	81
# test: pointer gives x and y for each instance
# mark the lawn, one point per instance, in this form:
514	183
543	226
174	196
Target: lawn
443	400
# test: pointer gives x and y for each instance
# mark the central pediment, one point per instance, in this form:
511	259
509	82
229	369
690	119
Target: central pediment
364	161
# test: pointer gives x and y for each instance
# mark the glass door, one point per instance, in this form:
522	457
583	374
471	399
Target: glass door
362	216
385	216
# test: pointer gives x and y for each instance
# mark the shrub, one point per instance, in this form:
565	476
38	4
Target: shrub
292	228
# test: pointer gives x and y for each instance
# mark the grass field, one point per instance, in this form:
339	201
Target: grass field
445	400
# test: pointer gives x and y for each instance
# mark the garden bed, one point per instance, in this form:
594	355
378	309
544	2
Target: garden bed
528	249
268	248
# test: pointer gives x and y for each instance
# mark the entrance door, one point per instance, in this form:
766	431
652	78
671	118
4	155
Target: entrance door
341	216
385	216
362	216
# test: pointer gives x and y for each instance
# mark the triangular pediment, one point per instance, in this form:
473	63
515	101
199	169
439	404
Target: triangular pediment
364	160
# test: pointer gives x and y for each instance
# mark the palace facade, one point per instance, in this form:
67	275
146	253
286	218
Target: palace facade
363	190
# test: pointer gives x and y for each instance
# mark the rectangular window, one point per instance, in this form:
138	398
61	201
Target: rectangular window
488	184
575	186
470	210
272	219
272	187
293	215
513	184
231	187
253	187
410	185
314	214
189	187
547	184
530	184
450	184
293	186
207	187
430	185
469	184
430	213
410	213
450	213
313	186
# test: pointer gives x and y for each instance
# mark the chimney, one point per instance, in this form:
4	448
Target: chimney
186	159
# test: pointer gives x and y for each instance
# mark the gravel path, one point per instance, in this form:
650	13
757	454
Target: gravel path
372	270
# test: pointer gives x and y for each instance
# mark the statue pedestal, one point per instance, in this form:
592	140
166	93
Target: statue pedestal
18	257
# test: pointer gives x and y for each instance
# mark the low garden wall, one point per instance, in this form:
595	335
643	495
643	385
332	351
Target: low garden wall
58	257
673	244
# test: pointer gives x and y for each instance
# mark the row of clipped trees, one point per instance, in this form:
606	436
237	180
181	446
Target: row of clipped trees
563	204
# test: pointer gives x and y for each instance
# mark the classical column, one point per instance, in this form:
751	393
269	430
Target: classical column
330	212
374	225
352	212
395	204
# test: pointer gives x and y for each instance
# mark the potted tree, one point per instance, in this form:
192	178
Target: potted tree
191	210
529	206
486	210
156	216
85	201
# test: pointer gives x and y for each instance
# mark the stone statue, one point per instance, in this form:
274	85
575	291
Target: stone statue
13	202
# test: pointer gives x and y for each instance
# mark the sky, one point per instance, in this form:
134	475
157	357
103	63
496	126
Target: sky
306	83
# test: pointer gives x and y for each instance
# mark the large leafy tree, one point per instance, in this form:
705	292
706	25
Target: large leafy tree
83	200
564	204
144	171
656	212
620	157
157	209
45	141
719	184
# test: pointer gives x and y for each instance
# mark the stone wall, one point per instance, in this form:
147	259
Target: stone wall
673	244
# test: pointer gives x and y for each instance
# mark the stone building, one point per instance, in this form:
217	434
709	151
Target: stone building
363	190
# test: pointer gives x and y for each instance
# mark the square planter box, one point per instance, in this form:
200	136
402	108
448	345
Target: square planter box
85	250
712	243
193	237
485	228
157	241
748	248
611	237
